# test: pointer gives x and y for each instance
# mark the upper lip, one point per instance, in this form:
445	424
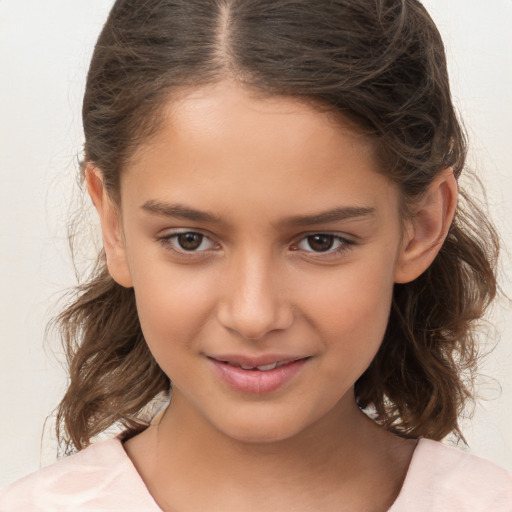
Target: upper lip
254	361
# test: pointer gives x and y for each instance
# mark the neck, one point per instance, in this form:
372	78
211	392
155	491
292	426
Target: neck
183	431
342	451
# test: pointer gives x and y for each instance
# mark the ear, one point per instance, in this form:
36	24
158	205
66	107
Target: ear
111	227
427	229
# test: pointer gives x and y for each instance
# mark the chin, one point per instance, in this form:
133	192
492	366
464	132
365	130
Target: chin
260	430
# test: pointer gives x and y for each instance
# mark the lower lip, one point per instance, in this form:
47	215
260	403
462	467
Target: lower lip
257	382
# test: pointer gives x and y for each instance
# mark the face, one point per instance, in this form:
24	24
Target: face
262	245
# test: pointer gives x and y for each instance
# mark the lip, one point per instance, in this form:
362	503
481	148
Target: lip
256	381
253	361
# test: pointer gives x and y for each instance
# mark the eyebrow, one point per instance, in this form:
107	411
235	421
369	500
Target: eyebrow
333	215
181	211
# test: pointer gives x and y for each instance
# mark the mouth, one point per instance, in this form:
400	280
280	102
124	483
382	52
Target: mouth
257	375
262	367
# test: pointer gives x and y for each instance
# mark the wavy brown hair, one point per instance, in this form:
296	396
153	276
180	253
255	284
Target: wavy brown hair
379	63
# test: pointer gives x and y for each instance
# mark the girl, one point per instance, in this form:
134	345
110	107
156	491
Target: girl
284	259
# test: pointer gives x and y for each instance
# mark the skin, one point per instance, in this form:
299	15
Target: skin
256	286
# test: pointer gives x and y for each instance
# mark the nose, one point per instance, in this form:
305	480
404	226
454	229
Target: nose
253	299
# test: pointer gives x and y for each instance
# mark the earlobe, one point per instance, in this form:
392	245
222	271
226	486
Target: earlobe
111	227
427	229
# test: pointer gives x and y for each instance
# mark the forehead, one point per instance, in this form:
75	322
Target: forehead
225	107
262	150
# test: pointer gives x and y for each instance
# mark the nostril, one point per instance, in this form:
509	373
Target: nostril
254	311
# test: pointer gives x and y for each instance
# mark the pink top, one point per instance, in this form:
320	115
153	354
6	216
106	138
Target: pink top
103	478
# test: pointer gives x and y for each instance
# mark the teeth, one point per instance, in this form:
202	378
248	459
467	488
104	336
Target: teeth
267	367
262	368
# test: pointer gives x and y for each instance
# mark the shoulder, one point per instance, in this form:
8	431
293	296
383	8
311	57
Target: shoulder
99	478
443	478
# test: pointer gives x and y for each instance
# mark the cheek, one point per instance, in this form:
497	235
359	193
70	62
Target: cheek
173	306
351	311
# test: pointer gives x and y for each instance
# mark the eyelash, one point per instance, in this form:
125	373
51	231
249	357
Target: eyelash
343	246
169	242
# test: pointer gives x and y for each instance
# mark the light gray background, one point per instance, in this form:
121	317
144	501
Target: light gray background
44	52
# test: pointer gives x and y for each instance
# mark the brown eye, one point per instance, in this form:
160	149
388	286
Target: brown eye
190	241
188	244
320	243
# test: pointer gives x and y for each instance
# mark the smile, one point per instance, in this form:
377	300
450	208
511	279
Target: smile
252	378
262	368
